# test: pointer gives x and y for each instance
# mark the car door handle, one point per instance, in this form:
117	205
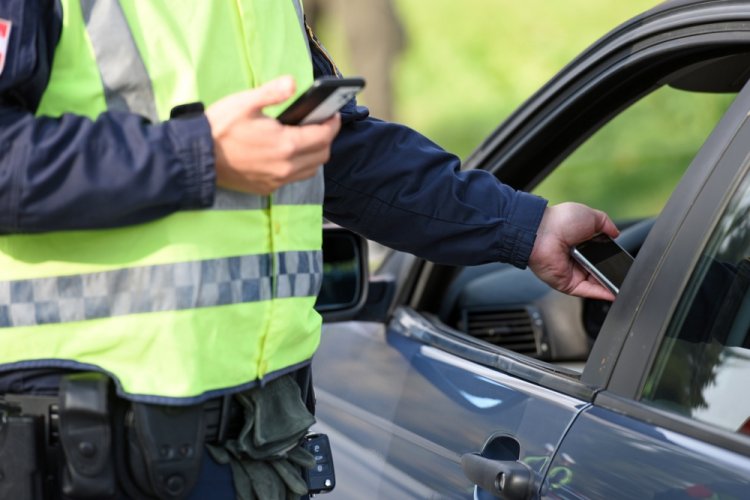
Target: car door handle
506	479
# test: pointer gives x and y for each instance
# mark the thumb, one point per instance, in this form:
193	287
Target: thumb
250	103
273	92
605	225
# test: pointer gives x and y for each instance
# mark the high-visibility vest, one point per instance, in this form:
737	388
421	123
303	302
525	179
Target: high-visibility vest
199	303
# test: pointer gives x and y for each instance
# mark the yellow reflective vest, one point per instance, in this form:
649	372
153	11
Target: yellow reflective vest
199	303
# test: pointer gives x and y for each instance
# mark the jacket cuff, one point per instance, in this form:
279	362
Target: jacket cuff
518	233
194	148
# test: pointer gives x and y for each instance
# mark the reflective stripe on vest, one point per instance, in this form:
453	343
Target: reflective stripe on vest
168	287
198	303
127	86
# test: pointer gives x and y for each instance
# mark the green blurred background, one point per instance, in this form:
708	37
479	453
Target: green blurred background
468	64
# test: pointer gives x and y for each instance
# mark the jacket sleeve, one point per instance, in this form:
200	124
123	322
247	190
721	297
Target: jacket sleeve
394	186
75	173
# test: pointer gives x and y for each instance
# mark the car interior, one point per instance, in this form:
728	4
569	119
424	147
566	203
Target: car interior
510	308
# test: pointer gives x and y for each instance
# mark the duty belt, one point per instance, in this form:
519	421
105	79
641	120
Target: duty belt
101	438
223	416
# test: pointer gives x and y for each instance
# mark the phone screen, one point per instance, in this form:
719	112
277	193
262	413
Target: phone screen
605	259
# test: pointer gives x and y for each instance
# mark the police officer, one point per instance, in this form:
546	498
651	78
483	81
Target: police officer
159	262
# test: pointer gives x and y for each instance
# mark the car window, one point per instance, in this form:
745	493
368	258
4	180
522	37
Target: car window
630	166
703	365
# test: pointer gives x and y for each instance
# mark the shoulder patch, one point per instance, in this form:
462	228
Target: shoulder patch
5	26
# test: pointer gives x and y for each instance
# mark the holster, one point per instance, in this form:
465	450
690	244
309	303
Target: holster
86	437
165	447
21	441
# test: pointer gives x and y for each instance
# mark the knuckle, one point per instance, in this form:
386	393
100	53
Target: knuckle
285	170
286	149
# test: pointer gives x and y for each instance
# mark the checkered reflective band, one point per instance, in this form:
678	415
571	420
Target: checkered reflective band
167	287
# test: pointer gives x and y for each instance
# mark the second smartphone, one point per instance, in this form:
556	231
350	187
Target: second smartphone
604	259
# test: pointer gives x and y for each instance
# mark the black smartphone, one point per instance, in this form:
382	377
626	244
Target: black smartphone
604	259
322	100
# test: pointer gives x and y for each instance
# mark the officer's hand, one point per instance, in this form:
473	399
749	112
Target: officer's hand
257	154
564	226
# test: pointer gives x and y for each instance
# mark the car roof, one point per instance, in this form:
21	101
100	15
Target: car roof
670	4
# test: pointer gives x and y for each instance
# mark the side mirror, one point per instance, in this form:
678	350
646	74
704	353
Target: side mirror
345	275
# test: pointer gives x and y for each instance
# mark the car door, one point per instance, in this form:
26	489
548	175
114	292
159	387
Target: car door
674	419
404	400
401	405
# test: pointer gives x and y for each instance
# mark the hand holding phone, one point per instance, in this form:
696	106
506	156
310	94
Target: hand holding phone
325	97
246	141
605	260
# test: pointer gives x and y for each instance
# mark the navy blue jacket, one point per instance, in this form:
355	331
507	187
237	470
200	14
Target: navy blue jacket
384	180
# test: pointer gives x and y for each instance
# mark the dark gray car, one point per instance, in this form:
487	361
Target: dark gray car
469	382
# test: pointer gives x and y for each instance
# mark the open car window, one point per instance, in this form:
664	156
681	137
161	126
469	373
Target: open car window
620	128
629	169
631	165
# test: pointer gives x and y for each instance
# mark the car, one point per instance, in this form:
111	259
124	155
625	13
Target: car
482	382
